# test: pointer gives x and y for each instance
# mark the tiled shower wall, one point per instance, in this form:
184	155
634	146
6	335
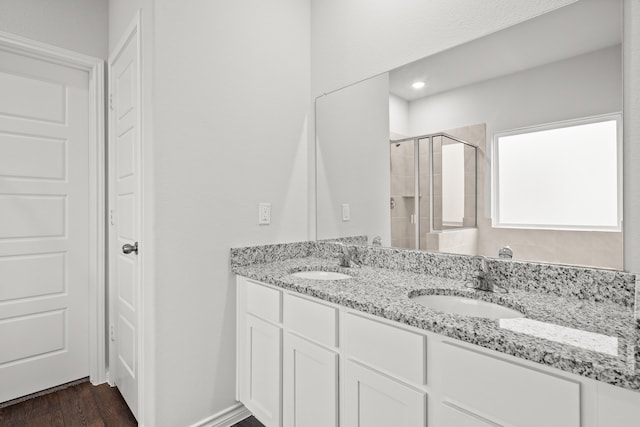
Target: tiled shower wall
402	203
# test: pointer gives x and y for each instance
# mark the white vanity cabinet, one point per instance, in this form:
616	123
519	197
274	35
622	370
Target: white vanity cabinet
259	351
310	363
287	357
303	362
384	374
372	399
494	391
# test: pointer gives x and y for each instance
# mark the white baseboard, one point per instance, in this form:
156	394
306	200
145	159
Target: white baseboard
225	418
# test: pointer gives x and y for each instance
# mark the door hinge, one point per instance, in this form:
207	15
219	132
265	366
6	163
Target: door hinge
111	217
112	332
111	101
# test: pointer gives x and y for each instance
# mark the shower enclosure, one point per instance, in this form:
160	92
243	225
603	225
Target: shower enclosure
433	191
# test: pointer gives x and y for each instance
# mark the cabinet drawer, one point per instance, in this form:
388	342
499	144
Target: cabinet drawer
263	302
311	319
394	350
508	393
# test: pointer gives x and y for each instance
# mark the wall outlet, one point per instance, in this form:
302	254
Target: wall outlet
264	213
346	212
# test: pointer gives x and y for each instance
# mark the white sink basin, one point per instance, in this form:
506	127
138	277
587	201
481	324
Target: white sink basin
321	275
466	306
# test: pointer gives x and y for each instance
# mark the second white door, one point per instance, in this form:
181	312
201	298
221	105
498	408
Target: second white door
124	213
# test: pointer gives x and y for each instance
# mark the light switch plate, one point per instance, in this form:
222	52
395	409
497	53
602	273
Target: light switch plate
264	213
346	212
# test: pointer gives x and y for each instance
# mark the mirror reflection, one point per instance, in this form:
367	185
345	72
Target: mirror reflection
409	155
442	198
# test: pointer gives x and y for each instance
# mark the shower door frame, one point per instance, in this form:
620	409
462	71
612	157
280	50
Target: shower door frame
416	174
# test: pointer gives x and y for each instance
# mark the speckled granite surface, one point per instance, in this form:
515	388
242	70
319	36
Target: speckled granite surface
562	280
637	305
268	253
571	300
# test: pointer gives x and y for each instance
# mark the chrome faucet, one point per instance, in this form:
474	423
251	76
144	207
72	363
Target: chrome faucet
347	257
505	252
481	280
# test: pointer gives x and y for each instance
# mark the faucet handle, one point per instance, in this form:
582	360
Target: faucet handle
483	263
505	252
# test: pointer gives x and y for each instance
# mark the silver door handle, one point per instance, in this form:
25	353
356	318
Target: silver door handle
127	248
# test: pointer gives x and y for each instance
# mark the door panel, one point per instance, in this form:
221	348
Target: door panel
32	98
452	416
49	327
262	360
124	200
375	400
310	384
44	224
35	275
28	156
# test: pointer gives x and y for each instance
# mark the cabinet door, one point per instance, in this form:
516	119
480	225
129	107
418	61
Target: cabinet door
261	365
310	384
506	392
375	400
452	416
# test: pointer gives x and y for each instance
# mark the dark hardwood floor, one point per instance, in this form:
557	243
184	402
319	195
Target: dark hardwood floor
79	405
249	422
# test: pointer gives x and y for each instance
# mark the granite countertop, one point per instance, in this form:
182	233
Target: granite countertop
595	339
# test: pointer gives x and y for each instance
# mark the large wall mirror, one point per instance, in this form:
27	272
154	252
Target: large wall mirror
513	139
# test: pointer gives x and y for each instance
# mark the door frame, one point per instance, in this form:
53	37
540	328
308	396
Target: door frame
95	68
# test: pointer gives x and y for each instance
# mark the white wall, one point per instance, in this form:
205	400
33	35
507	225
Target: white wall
356	39
582	86
398	117
121	14
78	25
353	147
231	98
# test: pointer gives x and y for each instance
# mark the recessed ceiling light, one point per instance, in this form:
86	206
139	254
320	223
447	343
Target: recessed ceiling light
418	85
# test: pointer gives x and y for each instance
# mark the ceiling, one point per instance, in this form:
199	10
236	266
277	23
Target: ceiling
582	27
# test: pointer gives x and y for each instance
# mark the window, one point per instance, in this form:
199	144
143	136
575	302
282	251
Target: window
563	176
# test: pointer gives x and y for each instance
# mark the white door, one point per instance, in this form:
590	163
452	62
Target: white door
44	224
124	206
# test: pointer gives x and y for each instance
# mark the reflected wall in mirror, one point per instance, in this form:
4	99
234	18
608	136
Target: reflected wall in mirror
533	74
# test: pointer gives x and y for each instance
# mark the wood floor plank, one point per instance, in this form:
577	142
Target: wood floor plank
78	407
44	411
112	407
249	422
82	405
